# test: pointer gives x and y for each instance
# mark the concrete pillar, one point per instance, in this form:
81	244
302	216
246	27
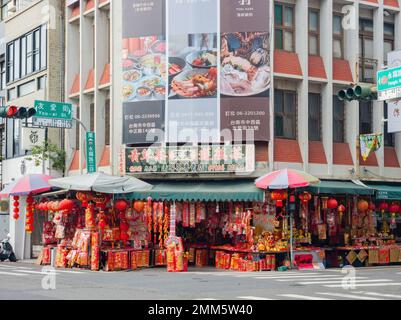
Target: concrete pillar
21	248
326	51
301	46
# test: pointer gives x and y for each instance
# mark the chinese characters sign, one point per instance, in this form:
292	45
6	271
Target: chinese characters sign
389	84
191	159
53	114
91	152
202	66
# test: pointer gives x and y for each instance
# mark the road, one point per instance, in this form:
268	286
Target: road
24	281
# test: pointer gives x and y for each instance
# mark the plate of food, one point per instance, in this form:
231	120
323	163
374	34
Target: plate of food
151	82
129	91
143	93
154	64
195	83
176	65
202	59
132	75
158	47
159	92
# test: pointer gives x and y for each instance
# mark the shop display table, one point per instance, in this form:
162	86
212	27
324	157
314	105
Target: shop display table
359	256
124	259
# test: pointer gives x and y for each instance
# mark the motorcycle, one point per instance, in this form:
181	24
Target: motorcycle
6	250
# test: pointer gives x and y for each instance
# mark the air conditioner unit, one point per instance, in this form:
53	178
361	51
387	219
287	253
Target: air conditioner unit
12	6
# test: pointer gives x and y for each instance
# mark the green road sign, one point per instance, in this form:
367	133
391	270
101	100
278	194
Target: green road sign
389	84
53	110
91	152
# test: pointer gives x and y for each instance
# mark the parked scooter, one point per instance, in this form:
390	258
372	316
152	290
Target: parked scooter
6	250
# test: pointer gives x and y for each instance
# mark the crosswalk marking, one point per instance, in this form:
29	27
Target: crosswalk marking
366	284
340	281
12	273
348	296
293	277
13	267
318	279
382	295
303	297
253	298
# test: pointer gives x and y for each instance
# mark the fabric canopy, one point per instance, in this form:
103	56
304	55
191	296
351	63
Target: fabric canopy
387	191
286	178
28	184
101	182
340	187
237	190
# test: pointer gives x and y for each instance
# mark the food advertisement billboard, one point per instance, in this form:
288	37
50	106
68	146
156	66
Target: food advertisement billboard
201	67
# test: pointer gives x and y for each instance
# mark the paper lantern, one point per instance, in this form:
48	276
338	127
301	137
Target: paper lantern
362	206
305	197
16	210
279	195
16	216
124	236
341	208
394	208
279	203
15	198
102	224
383	206
124	226
139	206
82	196
121	205
332	203
66	205
29	200
372	206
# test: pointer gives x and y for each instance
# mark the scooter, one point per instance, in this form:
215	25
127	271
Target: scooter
6	250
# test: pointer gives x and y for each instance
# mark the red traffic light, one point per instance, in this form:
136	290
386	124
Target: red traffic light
11	111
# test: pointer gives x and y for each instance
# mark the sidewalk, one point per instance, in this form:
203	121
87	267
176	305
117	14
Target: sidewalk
27	261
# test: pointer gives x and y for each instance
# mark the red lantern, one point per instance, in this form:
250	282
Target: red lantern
305	197
394	208
139	206
16	203
121	205
341	208
66	205
383	206
29	200
279	195
102	224
124	226
85	204
279	203
372	206
332	203
16	216
124	236
15	198
16	210
362	205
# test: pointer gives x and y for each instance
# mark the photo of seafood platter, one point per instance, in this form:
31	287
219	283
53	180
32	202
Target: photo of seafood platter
245	67
144	69
194	58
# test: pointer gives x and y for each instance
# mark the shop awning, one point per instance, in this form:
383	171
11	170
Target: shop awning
340	187
237	190
387	191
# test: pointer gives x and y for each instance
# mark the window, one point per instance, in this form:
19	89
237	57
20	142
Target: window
77	126
2	75
367	63
11	94
285	114
338	37
314	111
92	117
26	88
388	44
26	54
284	27
365	117
313	32
389	138
42	82
338	120
4	9
107	122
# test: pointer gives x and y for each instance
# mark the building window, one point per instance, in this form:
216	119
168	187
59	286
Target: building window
284	28
365	117
107	122
3	9
42	82
314	111
388	44
338	36
2	75
285	107
26	88
314	32
27	54
77	131
389	138
11	94
92	116
338	120
367	64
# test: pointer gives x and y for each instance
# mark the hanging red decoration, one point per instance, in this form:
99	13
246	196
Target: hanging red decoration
15	198
66	205
279	195
332	203
305	197
121	205
16	210
372	206
102	224
394	208
279	203
341	208
124	226
16	216
362	205
383	206
139	206
124	236
82	196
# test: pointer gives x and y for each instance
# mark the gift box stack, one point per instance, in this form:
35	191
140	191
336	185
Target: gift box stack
160	257
95	251
242	262
223	260
61	256
79	255
201	257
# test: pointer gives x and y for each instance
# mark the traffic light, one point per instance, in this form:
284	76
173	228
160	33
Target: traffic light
358	92
14	112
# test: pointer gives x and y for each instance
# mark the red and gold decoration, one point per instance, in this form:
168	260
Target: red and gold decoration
362	206
29	222
16	207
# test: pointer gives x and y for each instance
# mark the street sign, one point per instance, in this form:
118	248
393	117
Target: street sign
389	84
53	114
52	123
91	152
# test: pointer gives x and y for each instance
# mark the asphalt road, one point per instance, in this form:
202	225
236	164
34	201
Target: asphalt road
27	281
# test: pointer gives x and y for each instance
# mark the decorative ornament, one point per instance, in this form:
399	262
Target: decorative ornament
139	206
362	206
121	205
305	197
332	203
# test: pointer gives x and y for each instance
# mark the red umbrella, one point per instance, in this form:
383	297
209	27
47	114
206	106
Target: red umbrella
286	178
31	183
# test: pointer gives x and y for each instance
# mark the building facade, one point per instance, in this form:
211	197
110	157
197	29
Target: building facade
34	44
314	55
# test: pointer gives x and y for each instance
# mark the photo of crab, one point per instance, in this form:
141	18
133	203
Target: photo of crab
144	68
245	64
193	66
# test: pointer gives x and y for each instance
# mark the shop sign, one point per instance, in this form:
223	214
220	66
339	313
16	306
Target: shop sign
32	137
394	107
191	159
91	151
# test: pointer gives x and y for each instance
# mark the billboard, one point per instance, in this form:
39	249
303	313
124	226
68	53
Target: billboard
200	67
394	107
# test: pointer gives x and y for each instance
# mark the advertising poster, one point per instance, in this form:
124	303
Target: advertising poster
245	71
201	68
144	70
394	107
